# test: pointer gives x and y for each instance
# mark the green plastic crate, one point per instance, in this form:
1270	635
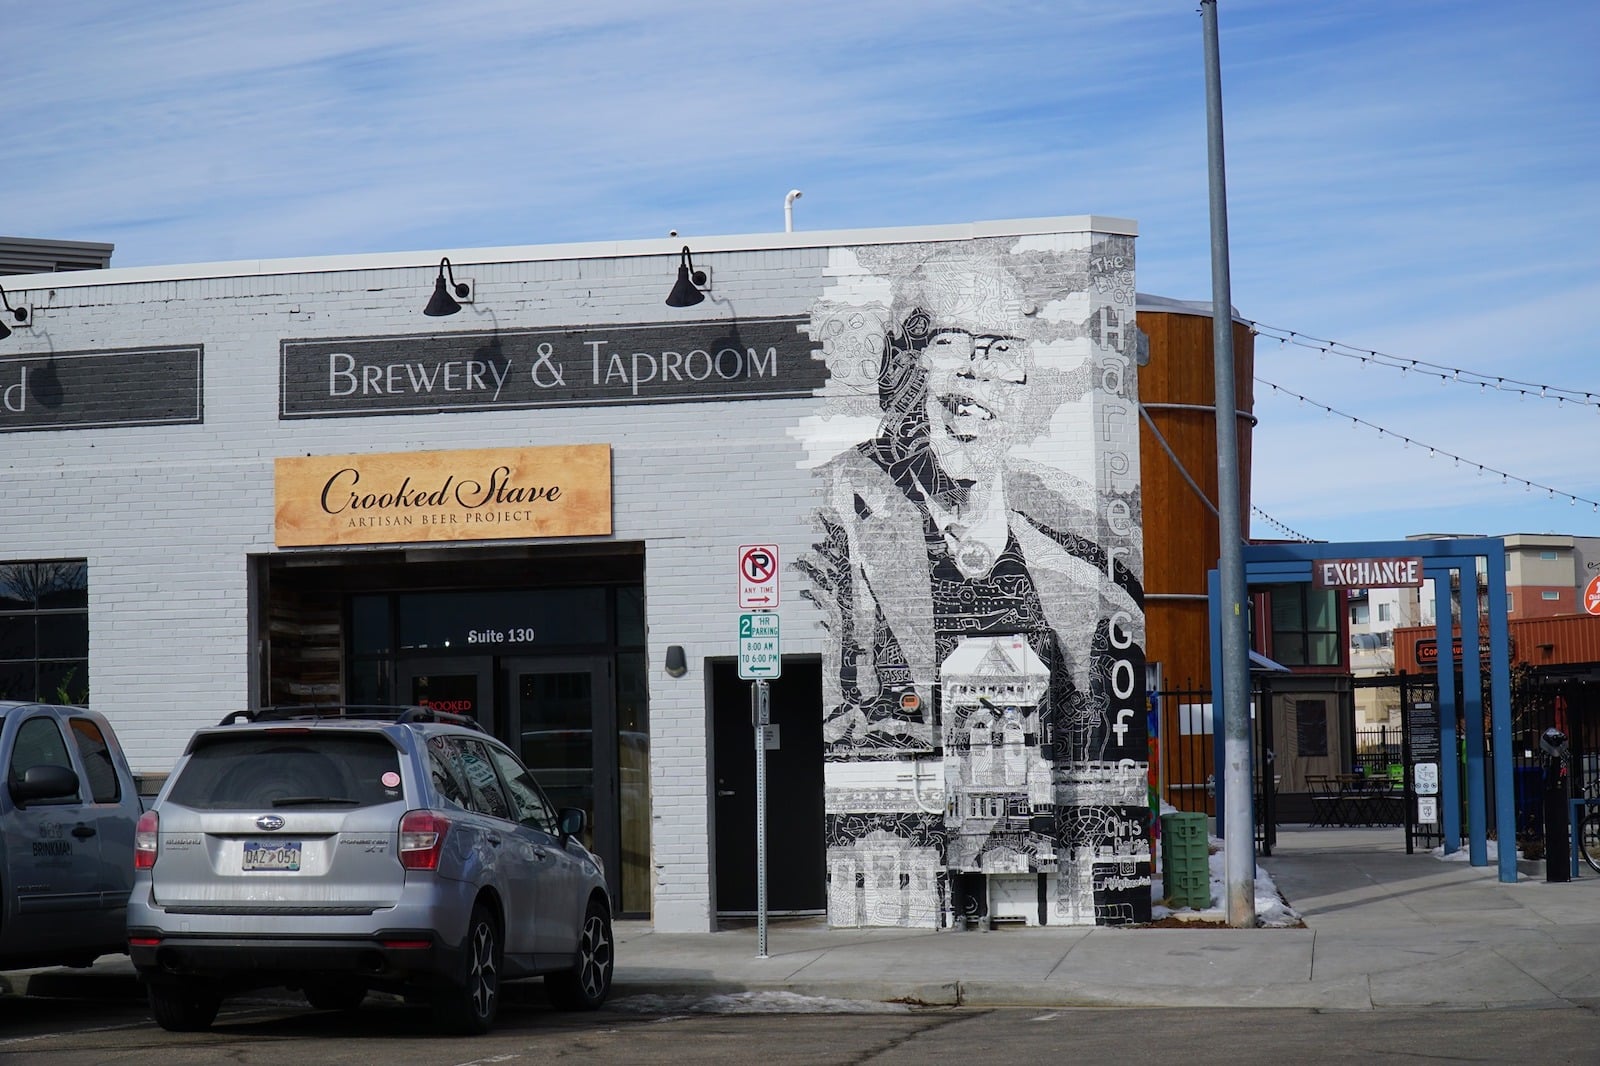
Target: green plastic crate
1178	845
1183	838
1186	859
1186	856
1187	889
1183	825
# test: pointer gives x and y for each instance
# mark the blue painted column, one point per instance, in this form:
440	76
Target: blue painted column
1472	706
1505	801
1449	775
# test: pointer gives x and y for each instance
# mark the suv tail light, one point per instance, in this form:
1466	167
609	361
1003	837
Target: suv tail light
422	839
146	840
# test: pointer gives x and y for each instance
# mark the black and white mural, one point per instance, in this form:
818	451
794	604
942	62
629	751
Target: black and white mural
977	563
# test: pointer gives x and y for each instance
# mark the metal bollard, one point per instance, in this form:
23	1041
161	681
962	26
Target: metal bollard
1557	811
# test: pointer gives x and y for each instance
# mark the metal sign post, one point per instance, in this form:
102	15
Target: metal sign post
761	716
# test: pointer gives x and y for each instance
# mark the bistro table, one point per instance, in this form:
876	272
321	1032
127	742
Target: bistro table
1328	804
1368	800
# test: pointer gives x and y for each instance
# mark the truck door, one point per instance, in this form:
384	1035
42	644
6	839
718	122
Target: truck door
114	808
52	847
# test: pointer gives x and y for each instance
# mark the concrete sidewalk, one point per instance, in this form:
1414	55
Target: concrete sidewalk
1383	930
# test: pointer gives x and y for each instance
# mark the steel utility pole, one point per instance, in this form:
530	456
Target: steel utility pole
1239	845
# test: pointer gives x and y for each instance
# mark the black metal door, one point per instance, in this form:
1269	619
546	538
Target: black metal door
796	858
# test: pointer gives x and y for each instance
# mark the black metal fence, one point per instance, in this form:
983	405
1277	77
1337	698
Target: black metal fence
1377	751
1571	706
1186	755
1185	752
1538	703
1186	760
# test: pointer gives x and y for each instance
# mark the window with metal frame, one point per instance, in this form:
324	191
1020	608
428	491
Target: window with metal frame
1305	625
44	631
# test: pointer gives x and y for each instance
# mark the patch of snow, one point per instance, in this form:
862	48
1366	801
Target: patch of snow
1464	853
751	1003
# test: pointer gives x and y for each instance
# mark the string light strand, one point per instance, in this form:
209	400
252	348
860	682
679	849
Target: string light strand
1447	375
1280	527
1434	451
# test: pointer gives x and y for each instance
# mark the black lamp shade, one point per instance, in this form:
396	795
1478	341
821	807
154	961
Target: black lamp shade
677	665
684	293
18	314
441	303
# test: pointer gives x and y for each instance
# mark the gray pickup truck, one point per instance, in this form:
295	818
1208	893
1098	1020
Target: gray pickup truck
67	815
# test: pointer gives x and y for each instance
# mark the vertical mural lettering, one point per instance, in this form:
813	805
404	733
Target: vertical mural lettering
977	565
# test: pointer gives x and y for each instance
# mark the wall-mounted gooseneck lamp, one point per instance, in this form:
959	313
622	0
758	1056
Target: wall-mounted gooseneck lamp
677	664
18	314
687	291
447	300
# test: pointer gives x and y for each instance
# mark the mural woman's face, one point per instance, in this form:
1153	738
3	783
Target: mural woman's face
976	386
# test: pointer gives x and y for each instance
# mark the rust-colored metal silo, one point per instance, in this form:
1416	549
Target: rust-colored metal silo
1178	484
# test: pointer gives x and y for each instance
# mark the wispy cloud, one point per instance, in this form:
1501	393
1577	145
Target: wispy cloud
1417	178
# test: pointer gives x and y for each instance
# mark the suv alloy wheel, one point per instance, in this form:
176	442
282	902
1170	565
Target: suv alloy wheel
586	985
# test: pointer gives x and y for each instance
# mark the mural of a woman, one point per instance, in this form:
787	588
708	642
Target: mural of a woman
942	529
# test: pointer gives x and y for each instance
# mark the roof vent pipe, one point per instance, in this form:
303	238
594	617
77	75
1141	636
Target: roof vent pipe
788	209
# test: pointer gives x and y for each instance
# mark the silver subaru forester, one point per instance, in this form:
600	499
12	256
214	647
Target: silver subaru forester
339	850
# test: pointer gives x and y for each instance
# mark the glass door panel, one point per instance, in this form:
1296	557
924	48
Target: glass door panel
564	729
556	715
633	766
463	686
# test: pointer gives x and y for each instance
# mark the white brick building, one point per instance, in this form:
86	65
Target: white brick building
177	542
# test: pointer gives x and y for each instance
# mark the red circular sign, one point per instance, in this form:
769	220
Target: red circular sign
1591	595
757	564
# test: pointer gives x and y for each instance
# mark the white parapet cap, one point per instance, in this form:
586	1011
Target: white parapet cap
1145	301
464	258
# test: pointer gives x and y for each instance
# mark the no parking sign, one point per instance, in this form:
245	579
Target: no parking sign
758	577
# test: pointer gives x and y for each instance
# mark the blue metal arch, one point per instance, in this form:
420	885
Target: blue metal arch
1288	563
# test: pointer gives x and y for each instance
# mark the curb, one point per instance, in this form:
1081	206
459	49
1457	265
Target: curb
1353	993
72	984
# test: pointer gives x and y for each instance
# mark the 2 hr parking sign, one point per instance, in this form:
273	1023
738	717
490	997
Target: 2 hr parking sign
760	656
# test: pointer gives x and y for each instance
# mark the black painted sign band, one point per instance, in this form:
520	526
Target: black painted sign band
102	389
658	362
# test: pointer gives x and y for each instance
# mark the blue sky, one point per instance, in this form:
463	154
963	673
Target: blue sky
1416	179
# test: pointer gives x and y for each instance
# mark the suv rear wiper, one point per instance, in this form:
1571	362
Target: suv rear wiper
307	801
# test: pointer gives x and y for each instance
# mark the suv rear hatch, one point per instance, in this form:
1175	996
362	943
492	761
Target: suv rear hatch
288	819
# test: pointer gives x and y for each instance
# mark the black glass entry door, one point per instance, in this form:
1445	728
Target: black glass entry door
562	722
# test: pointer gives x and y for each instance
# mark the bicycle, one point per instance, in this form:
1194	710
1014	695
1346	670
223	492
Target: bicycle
1587	835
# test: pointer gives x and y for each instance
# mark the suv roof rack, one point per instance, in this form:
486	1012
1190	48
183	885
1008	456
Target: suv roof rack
365	712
